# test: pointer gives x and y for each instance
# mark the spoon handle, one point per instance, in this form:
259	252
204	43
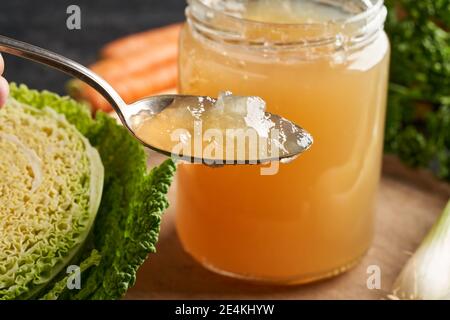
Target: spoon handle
54	60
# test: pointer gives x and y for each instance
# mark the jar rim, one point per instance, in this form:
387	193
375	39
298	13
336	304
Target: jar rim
325	38
371	10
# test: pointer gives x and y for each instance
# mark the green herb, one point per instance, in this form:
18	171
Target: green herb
418	118
127	223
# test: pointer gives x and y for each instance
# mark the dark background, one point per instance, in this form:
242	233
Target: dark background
43	23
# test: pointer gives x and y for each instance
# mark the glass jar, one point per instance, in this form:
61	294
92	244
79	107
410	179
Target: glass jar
328	73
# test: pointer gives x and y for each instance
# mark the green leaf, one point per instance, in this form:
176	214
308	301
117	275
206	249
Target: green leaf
127	224
419	95
51	186
61	285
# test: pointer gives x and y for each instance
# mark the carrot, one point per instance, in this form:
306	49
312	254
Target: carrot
144	41
145	84
133	87
136	66
147	59
173	90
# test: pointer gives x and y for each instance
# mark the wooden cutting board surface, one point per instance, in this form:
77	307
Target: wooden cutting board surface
409	202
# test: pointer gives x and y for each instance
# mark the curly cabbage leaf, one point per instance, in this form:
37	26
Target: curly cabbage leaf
51	186
127	223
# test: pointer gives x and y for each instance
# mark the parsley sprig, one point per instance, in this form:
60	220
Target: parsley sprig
418	118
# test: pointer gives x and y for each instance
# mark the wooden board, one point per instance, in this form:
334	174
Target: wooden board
409	202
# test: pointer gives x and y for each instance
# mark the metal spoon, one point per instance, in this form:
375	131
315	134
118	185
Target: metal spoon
147	106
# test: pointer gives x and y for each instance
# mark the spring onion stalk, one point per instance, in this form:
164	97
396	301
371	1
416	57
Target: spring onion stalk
426	276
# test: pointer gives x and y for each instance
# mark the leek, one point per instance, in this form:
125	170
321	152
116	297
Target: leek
426	276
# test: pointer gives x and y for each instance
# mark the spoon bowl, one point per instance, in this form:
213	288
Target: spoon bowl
146	108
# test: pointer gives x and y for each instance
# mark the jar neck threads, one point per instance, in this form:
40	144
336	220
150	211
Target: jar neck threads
218	21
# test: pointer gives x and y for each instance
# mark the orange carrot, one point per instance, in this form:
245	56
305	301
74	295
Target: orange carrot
144	41
133	87
136	66
150	58
145	84
173	90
